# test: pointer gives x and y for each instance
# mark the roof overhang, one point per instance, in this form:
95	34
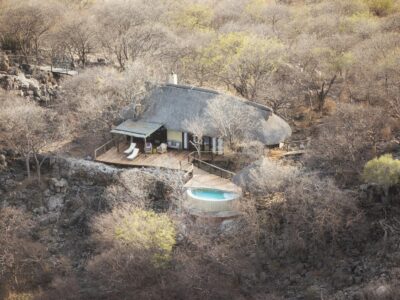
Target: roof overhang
139	129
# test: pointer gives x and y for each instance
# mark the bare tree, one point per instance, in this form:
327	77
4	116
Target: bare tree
28	127
26	23
78	36
230	120
196	127
347	140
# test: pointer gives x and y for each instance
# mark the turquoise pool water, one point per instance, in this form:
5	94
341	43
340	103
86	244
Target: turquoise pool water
212	194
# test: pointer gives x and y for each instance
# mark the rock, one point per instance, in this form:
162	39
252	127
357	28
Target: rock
228	226
3	162
77	216
4	63
58	186
313	292
49	218
9	184
383	291
55	203
27	68
40	210
14	71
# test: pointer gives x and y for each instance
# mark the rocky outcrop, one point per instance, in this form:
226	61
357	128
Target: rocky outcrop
29	86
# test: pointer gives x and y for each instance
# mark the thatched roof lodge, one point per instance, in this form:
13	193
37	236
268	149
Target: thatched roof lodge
170	106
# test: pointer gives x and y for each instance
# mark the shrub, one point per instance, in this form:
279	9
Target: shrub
137	246
384	171
380	7
138	229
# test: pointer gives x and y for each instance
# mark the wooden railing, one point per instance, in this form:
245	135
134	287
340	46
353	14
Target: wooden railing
208	167
104	148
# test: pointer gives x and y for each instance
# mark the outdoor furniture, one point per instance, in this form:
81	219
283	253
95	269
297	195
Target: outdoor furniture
174	144
162	148
130	149
134	154
148	148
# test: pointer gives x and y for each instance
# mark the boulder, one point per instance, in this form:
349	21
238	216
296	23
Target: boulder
4	63
27	68
49	218
58	186
3	162
55	203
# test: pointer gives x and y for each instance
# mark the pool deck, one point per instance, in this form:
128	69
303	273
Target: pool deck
202	179
173	159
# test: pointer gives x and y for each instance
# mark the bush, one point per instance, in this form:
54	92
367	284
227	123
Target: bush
380	7
137	246
384	171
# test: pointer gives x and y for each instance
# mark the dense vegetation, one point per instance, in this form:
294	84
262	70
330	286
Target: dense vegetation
310	228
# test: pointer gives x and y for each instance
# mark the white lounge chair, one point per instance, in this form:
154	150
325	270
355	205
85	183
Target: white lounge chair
134	154
130	149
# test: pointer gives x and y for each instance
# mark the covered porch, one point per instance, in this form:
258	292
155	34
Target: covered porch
146	135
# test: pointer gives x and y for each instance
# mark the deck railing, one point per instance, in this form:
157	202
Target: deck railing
104	148
208	167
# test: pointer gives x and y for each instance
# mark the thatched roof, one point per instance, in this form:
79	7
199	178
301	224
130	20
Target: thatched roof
172	104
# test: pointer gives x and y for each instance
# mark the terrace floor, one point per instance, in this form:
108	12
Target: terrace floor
203	179
173	159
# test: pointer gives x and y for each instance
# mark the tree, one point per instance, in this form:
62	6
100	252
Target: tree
25	25
229	120
78	36
28	128
318	68
128	31
22	260
347	140
196	127
242	62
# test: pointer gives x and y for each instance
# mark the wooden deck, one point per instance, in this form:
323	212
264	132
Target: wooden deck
202	179
173	159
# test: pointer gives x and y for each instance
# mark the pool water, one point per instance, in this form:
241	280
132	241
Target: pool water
212	194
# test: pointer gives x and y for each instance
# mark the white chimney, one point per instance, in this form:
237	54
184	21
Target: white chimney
172	78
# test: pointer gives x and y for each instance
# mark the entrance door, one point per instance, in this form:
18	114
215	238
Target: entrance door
207	143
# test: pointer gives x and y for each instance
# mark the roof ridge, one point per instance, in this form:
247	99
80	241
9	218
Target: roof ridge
245	101
192	87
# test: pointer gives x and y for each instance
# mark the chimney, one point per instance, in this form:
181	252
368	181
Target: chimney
172	78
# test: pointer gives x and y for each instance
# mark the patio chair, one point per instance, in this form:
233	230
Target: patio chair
148	148
162	148
130	149
134	154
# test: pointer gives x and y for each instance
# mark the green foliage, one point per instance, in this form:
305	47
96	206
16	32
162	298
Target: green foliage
384	171
147	230
235	48
194	17
380	7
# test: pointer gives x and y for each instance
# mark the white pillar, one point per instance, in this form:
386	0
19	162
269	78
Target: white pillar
214	145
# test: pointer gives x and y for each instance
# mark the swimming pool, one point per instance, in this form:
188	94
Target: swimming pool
211	200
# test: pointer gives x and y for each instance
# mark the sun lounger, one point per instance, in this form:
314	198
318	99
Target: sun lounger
134	154
130	149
